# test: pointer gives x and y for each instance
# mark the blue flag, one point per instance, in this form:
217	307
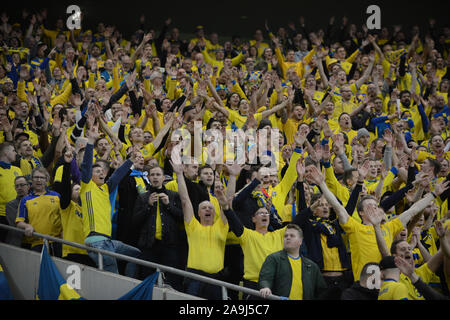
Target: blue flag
5	292
144	291
52	285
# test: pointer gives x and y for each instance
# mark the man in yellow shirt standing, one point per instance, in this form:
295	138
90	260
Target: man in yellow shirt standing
206	239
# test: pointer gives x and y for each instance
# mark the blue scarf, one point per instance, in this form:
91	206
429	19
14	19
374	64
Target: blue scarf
5	165
137	173
324	226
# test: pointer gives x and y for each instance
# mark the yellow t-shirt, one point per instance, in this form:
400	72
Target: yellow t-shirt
331	259
393	290
296	292
158	232
206	245
8	192
290	129
425	274
363	243
96	208
43	213
72	225
256	247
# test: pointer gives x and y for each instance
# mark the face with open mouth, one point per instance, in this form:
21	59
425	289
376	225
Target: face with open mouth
403	250
322	208
206	213
261	218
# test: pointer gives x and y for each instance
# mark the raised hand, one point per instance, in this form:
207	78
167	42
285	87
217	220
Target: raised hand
387	136
224	201
300	137
441	187
374	215
234	169
300	169
313	175
440	228
405	267
363	170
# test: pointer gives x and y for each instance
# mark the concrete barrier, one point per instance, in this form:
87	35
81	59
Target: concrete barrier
21	268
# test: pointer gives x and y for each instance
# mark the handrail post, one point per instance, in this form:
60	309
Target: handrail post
160	279
100	261
45	243
224	293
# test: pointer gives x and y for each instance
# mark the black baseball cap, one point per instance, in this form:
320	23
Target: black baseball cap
387	263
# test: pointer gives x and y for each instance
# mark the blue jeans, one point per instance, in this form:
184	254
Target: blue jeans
110	263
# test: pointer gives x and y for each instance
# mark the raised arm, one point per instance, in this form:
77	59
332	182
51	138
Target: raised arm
162	133
186	204
375	215
417	207
367	73
147	37
315	176
274	109
86	165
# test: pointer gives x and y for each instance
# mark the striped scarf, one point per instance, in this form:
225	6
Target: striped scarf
322	225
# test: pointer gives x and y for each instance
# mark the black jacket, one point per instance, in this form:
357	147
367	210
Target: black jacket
128	193
356	292
144	220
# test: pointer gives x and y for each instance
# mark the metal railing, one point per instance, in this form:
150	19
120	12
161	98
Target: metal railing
159	267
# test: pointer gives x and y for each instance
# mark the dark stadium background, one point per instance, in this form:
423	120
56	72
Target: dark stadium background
236	17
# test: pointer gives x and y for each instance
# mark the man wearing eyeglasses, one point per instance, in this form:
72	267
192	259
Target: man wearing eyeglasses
22	188
40	212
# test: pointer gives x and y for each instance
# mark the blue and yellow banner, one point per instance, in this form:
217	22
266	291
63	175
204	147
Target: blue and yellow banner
52	285
144	291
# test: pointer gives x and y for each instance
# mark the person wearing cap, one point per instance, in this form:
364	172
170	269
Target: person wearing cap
199	35
363	138
391	287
